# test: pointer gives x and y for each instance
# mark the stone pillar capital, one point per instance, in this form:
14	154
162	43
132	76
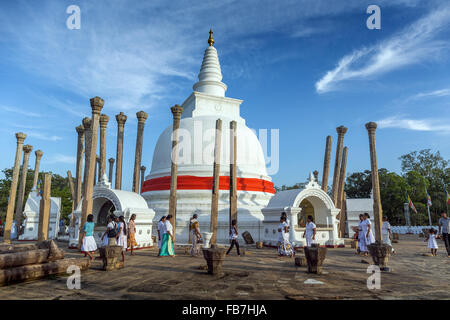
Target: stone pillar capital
142	116
111	160
176	111
87	123
80	130
20	137
371	127
121	119
27	148
39	154
103	120
97	105
143	168
341	130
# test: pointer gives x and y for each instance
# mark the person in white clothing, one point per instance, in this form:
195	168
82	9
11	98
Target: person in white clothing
122	236
161	231
367	234
310	232
386	233
284	245
109	237
288	222
432	244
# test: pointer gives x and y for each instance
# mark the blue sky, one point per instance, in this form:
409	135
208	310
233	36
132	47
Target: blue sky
304	67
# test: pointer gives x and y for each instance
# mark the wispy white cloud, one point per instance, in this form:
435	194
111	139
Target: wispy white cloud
61	158
21	111
437	125
435	93
418	42
43	136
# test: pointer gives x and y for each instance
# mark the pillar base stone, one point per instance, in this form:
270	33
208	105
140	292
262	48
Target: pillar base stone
380	254
314	258
214	258
111	256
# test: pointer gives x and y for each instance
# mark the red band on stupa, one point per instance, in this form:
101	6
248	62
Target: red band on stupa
205	183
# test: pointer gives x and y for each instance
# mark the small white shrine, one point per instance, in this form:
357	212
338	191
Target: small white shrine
107	201
298	204
31	213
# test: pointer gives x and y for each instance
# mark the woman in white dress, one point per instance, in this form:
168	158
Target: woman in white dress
360	237
432	244
386	233
122	236
109	237
284	246
310	232
367	234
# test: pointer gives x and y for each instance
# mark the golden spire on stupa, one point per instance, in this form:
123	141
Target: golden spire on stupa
210	40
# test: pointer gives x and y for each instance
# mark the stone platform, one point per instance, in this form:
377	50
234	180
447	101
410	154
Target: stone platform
258	275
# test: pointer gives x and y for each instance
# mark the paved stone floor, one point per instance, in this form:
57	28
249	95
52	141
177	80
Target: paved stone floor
258	275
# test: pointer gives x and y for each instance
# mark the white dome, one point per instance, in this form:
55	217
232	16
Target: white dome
196	150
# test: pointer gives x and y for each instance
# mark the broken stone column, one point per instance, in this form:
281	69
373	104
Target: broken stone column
326	164
121	119
44	209
20	136
96	106
87	122
37	164
141	116
143	168
22	184
103	124
233	174
214	258
79	169
176	112
216	178
111	168
380	252
341	186
315	256
337	165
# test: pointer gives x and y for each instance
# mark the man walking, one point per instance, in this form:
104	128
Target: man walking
444	225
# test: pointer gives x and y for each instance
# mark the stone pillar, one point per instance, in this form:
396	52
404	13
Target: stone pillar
79	169
44	210
143	168
103	123
341	187
22	184
216	178
337	165
377	210
343	225
20	136
121	119
233	174
176	111
87	122
97	175
142	116
96	105
111	167
326	164
71	187
37	164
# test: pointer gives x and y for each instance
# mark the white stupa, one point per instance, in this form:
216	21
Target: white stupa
202	108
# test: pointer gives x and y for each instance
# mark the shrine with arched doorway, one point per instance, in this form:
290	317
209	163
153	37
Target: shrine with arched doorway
298	205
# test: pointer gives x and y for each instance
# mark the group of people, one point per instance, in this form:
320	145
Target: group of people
117	233
165	237
285	247
365	236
